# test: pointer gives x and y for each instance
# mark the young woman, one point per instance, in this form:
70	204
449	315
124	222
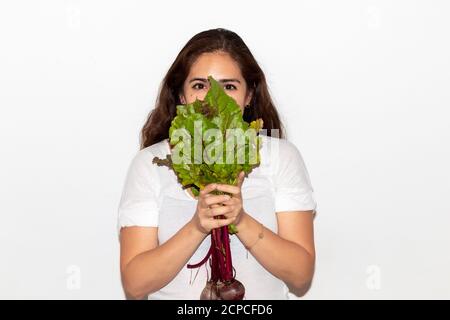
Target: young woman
164	227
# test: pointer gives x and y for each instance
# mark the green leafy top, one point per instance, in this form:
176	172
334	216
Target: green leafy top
200	156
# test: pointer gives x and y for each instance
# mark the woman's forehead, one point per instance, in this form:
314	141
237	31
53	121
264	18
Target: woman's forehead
219	66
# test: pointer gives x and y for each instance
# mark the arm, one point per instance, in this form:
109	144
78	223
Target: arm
147	267
288	255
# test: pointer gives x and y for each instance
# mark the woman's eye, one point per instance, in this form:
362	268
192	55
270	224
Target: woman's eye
230	87
198	86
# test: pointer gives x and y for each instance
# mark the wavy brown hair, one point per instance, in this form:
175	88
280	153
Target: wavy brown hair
156	128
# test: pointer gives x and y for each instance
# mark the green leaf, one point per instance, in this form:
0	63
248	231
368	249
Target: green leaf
232	229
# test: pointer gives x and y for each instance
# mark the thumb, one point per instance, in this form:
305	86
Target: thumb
241	178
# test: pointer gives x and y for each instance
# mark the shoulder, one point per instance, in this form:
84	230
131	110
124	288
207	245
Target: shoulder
283	161
279	150
142	161
158	149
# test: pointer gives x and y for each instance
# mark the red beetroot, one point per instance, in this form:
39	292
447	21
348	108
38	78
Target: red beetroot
222	285
231	290
210	292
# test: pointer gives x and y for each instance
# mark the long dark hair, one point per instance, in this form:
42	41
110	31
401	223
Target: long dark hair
158	122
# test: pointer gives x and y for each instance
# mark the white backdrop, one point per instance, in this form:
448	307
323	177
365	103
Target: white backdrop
362	86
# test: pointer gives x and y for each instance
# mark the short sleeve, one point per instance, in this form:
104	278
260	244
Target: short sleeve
293	189
138	204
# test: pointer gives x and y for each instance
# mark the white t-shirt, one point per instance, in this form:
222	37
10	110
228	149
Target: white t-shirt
153	197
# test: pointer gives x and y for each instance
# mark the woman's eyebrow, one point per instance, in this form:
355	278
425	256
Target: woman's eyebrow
221	80
229	80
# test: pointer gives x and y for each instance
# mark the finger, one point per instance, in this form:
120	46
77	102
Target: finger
229	188
217	223
241	178
230	214
232	201
220	211
216	199
207	189
205	193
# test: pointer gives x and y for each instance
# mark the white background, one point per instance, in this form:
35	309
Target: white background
362	86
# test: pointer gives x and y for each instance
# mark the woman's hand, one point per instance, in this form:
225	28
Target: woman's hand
233	208
210	206
203	219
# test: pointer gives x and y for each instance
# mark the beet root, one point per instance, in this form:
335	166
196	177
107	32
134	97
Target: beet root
210	292
231	290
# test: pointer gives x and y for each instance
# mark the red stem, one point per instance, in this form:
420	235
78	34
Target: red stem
214	266
229	264
197	265
219	255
